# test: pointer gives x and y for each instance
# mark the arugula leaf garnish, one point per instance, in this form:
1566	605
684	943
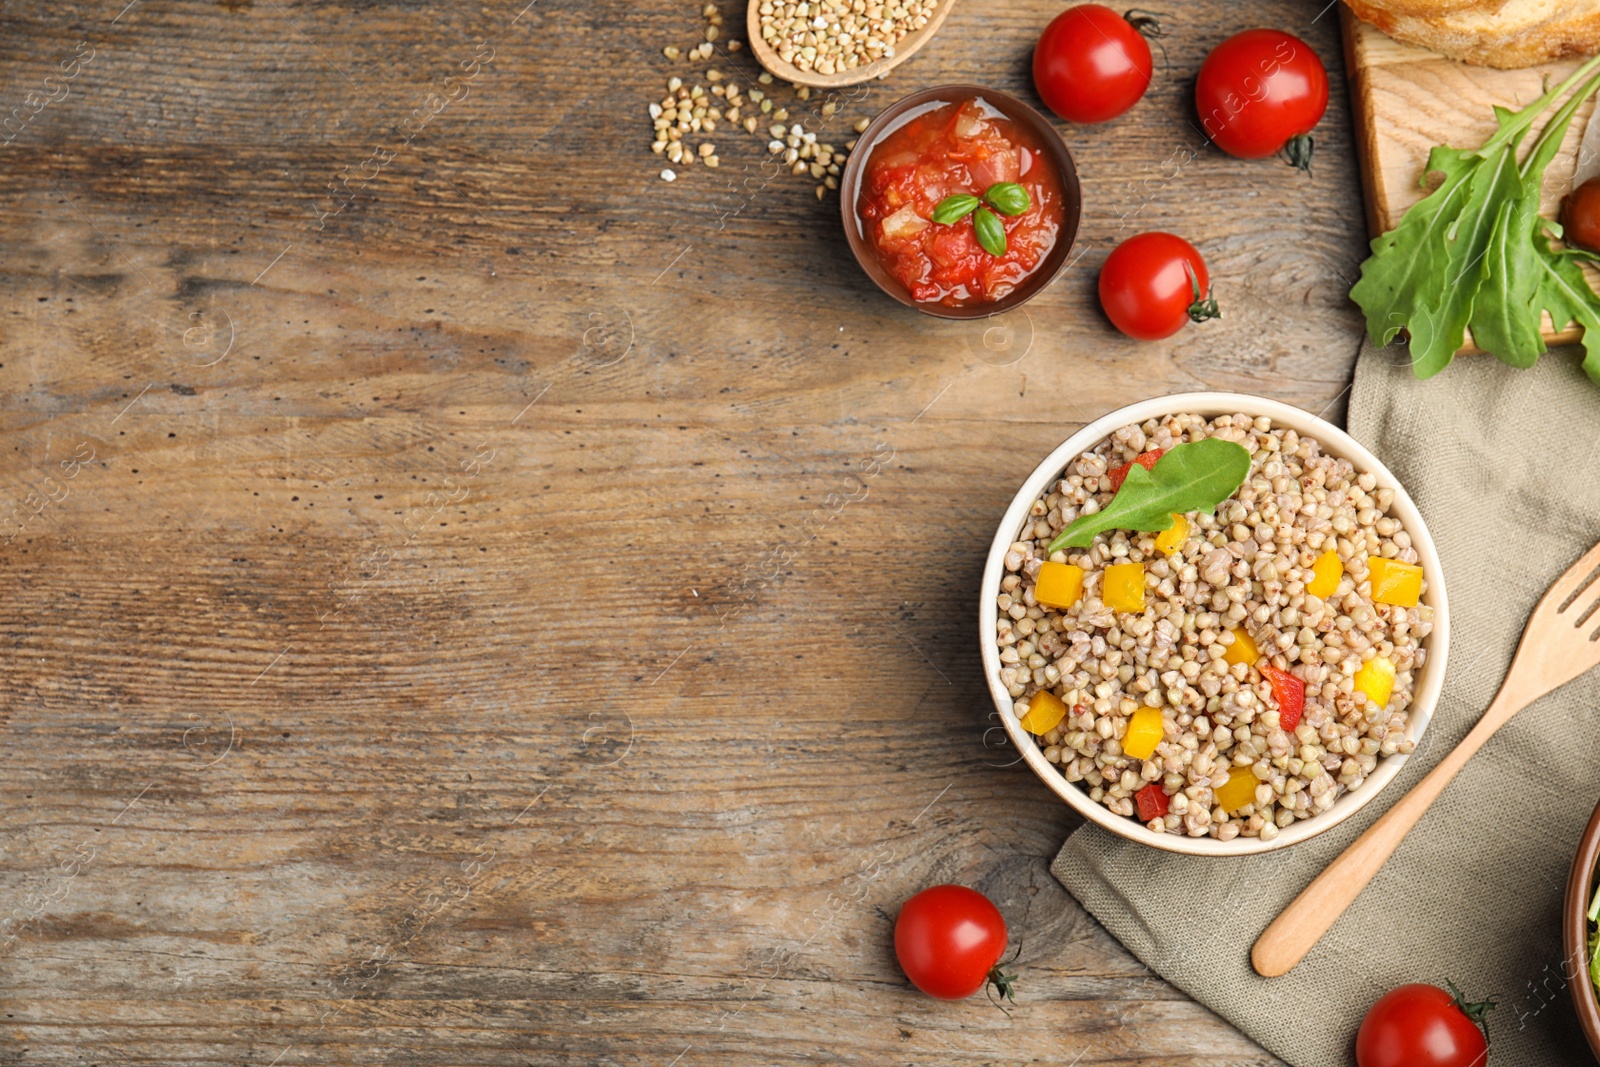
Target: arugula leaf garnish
1475	252
1193	476
1533	276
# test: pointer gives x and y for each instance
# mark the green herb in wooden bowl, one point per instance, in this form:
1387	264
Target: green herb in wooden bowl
1594	940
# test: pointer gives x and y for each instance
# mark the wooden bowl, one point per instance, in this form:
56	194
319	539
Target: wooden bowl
887	122
1580	891
1429	679
903	50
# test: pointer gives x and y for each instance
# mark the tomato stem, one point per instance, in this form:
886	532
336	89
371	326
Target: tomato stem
1205	305
1005	983
1477	1011
1297	152
1146	22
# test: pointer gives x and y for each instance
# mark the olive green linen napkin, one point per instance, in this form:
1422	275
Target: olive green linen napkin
1505	467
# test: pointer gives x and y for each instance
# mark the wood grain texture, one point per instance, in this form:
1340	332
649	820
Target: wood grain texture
398	668
1406	100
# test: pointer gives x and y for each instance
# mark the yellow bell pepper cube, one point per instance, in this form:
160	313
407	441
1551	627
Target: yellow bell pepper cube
1172	538
1243	649
1144	733
1059	585
1376	679
1045	712
1238	790
1394	582
1122	587
1326	571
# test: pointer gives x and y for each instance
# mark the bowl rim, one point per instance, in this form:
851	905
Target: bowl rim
1580	890
1016	110
1333	441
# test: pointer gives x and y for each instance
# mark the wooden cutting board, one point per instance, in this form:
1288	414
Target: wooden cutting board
1404	100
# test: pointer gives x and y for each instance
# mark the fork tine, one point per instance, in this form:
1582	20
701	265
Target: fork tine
1577	578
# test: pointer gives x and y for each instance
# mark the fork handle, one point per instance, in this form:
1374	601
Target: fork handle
1301	925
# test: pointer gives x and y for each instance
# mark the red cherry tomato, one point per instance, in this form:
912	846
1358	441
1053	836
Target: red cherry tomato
1261	92
949	940
1091	64
1422	1026
1154	283
1580	216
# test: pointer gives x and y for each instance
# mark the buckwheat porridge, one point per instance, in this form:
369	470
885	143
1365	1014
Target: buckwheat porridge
1236	672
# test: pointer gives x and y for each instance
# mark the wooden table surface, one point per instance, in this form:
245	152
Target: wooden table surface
469	601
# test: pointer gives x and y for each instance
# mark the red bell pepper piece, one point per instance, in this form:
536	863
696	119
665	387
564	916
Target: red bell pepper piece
1289	692
1144	459
1152	801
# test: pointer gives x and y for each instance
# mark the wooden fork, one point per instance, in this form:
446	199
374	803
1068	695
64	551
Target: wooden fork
1561	641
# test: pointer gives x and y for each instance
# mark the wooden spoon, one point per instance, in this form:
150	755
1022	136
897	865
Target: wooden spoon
904	49
1559	643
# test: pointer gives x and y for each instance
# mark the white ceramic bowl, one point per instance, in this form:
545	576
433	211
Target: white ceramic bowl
1429	680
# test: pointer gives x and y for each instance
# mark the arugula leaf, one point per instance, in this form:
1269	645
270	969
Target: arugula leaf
1493	183
1193	476
1565	293
1423	274
1470	252
1502	320
1507	315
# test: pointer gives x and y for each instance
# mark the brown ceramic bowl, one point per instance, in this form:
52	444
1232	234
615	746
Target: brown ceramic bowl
1580	891
901	112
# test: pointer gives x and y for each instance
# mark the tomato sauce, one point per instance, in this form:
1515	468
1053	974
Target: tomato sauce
963	146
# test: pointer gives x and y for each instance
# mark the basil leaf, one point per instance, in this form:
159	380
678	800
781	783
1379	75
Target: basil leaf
991	233
1008	198
1193	476
954	208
